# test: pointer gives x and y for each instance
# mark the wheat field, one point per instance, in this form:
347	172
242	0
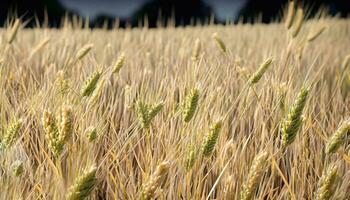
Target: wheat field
207	112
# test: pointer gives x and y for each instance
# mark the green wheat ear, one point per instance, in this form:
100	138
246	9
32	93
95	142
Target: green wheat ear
254	78
327	184
255	174
191	157
17	168
91	133
90	83
83	51
190	104
12	133
292	122
338	138
146	112
211	139
83	185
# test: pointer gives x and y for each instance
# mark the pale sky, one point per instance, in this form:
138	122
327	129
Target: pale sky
123	8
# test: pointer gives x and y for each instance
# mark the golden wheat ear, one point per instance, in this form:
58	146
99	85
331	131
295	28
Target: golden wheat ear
196	50
155	181
338	138
290	15
52	134
219	42
83	51
313	35
327	183
119	64
62	83
254	78
298	22
14	31
83	185
255	174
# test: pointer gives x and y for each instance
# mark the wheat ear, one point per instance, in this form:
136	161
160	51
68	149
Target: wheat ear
191	157
255	174
145	112
91	133
62	83
291	124
290	15
338	138
65	123
298	22
196	50
119	63
12	133
211	139
83	51
327	184
90	83
313	35
17	168
219	42
254	78
190	104
14	31
83	185
155	181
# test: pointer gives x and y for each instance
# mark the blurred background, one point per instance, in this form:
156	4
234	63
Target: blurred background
133	12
